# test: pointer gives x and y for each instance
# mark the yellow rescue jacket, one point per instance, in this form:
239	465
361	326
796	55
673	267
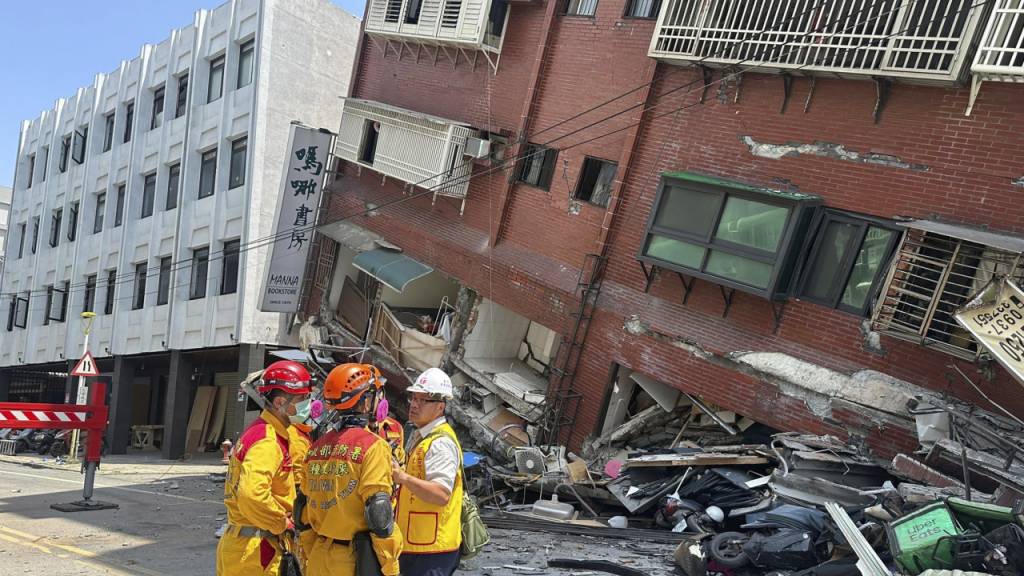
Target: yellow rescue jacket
298	446
259	488
429	528
343	470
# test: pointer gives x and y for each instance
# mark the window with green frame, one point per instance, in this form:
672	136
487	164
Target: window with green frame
848	259
737	235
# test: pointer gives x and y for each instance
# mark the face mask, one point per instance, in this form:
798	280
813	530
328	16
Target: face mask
302	410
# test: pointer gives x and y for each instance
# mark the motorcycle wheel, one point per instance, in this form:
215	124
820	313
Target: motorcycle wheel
727	549
58	449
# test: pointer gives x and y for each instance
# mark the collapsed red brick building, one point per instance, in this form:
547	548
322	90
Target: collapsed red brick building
775	210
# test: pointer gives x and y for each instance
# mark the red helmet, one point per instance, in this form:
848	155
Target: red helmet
287	376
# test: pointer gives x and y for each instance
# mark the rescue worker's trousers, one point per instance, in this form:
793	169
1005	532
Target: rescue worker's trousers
307	538
328	558
441	564
247	556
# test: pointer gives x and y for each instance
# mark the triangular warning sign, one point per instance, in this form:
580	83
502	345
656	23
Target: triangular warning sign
86	366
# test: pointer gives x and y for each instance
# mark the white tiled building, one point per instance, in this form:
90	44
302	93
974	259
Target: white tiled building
133	196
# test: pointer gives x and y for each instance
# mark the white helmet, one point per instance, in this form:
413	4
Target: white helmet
434	382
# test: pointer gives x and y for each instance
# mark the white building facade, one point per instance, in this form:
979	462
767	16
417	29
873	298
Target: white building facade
148	197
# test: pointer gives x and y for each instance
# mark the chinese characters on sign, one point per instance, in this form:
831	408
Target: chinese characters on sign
302	186
995	318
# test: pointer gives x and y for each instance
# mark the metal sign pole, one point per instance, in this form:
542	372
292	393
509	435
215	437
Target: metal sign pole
87	318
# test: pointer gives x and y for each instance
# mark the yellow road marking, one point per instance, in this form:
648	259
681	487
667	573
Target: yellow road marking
91	559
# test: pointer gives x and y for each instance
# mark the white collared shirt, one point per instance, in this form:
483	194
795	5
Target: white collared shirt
442	458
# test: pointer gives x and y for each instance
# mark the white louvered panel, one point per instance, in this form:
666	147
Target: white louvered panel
920	39
445	22
349	135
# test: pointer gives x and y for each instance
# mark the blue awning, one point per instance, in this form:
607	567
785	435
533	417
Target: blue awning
394	269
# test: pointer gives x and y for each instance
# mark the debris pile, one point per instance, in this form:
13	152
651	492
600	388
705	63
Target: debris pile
737	498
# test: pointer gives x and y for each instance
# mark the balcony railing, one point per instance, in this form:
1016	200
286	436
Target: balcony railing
1000	54
417	149
911	39
474	25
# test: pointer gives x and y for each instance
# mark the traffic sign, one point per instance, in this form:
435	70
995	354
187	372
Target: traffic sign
86	367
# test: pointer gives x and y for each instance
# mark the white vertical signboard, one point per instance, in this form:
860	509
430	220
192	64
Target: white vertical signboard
995	317
301	187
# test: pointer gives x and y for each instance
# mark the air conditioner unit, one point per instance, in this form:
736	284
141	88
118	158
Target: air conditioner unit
478	147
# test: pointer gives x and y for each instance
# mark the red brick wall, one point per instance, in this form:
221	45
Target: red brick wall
966	170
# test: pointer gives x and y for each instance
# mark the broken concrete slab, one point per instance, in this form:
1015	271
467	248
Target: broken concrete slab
920	472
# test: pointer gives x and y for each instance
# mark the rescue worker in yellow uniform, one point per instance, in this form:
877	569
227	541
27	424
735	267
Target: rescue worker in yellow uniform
348	482
429	509
260	488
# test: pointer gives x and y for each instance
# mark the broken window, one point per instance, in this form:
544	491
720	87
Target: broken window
21	310
729	233
73	222
65	153
847	261
55	221
595	184
538	166
937	269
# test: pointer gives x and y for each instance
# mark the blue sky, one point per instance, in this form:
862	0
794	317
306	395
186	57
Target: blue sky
51	48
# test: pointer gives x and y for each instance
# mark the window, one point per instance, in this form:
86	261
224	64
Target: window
108	306
108	131
89	301
21	310
368	145
538	166
49	305
181	103
78	150
643	8
129	119
22	233
158	108
581	7
119	207
173	183
246	55
73	222
412	11
208	173
139	299
45	151
65	152
200	265
216	86
450	14
148	195
595	184
229	272
55	220
56	303
35	233
847	261
163	290
236	176
97	217
31	169
729	233
392	10
937	269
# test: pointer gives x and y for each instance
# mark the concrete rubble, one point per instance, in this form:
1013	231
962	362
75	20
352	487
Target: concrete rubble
734	497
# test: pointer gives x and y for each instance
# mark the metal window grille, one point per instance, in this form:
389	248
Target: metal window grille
931	277
1002	45
325	263
904	38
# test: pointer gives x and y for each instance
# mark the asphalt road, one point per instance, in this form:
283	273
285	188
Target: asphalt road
168	514
164	524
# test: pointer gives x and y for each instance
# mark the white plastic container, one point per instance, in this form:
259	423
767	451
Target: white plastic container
554	509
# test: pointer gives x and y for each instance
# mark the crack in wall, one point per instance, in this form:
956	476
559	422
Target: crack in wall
828	150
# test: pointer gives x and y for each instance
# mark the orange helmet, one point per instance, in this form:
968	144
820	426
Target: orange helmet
348	383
